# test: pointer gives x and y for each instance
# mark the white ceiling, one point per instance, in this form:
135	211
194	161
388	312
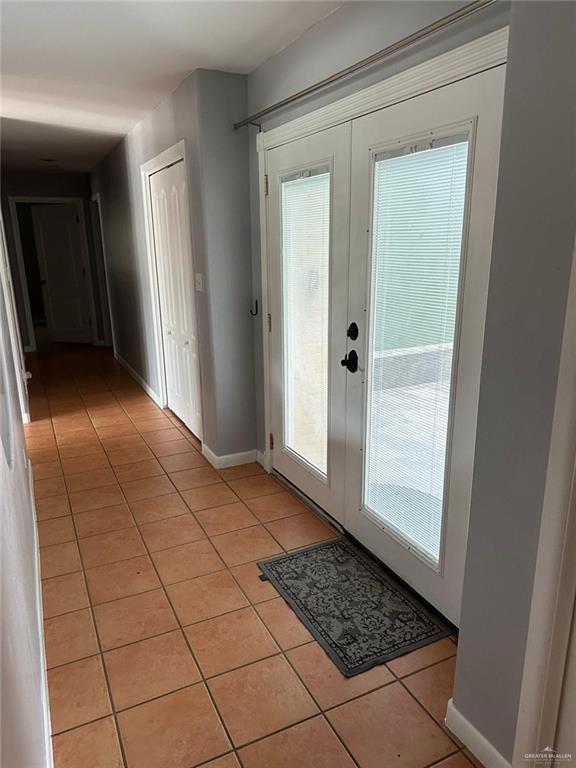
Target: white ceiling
78	75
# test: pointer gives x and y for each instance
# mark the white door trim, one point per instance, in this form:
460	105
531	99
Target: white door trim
106	309
484	53
477	56
13	201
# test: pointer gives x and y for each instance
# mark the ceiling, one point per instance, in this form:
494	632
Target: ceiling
78	75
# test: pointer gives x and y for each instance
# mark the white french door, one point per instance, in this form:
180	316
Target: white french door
389	350
308	209
173	249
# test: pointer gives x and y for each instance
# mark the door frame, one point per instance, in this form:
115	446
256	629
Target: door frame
13	201
464	61
174	154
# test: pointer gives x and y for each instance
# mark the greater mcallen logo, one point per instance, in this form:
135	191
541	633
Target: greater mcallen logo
548	755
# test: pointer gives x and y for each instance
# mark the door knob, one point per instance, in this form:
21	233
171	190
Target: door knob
350	361
352	331
187	343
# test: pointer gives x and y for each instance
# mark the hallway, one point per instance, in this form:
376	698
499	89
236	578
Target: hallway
163	647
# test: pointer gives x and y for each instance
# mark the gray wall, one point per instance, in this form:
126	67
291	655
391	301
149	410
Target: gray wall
349	34
201	111
531	261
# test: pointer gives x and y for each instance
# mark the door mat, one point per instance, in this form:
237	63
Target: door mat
358	612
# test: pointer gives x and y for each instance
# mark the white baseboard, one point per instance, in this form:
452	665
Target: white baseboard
473	739
136	376
230	460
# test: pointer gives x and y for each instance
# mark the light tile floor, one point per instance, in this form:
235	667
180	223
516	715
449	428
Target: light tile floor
164	649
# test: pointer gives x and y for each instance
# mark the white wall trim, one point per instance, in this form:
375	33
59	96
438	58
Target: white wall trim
139	380
473	739
13	200
263	460
484	53
230	460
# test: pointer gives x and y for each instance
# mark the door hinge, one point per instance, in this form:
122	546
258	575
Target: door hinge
269	318
265	185
271	441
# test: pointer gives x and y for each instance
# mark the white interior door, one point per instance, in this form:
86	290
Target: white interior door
64	273
172	243
308	208
424	177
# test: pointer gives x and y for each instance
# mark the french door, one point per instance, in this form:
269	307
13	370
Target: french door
173	249
378	286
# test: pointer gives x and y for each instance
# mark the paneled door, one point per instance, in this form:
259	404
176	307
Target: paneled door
308	208
173	249
424	177
63	271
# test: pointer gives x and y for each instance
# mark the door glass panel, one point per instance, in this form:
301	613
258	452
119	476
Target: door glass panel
418	216
305	200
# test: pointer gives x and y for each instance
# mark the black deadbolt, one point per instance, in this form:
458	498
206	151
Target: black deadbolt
352	331
350	361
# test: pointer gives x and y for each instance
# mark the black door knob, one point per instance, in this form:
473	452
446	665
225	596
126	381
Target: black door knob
352	331
350	361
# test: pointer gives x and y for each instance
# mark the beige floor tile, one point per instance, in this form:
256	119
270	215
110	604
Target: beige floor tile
283	623
180	729
133	618
96	498
59	559
78	694
50	486
46	470
152	425
241	470
42	455
62	594
455	761
94	745
194	478
230	641
173	447
150	668
94	478
261	698
138	470
129	455
275	506
77	451
325	681
127	429
388	727
85	463
121	579
171	532
187	561
147	488
251	487
433	687
161	436
179	461
209	496
55	531
111	547
54	506
103	520
300	530
422	657
246	545
312	744
158	508
122	442
205	597
248	576
229	517
69	637
228	761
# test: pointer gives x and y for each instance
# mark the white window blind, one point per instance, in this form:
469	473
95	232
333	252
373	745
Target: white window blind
305	200
418	215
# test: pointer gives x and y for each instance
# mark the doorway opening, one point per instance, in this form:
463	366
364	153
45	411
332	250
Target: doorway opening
59	299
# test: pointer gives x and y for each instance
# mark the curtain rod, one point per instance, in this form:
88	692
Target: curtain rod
415	37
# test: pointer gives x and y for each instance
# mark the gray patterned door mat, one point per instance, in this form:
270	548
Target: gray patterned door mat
358	612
